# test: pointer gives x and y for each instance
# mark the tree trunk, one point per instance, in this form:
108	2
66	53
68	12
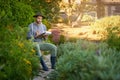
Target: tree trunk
78	20
100	9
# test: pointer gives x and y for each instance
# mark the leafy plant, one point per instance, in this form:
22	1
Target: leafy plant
85	60
18	60
47	23
56	37
100	26
113	38
15	13
87	18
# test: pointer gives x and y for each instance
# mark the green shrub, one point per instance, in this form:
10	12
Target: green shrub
62	39
15	13
84	60
70	46
22	14
18	60
108	29
100	26
72	39
47	23
56	37
113	38
87	18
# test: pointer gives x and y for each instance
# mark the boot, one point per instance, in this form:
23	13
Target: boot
44	66
53	61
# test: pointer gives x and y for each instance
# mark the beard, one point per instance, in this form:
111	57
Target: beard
38	22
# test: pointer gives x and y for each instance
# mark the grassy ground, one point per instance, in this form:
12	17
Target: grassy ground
79	32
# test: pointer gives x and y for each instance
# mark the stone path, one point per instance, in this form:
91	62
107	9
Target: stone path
43	74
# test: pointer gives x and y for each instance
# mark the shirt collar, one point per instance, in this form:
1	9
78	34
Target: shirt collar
38	24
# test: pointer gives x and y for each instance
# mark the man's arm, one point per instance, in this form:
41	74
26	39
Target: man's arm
40	35
43	35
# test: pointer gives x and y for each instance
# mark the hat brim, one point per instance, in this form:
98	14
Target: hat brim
38	15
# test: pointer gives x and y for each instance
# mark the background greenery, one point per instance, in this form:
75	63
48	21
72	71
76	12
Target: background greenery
18	60
15	13
108	29
84	60
101	26
20	12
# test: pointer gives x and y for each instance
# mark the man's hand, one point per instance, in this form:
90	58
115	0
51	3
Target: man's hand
37	33
45	35
40	35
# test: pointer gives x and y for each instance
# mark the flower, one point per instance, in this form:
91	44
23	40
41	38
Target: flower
27	61
21	45
10	28
33	50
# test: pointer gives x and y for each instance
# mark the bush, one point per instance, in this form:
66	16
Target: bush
18	60
100	26
113	38
47	23
56	37
86	61
15	13
87	18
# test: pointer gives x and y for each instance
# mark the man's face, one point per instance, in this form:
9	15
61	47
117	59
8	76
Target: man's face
38	19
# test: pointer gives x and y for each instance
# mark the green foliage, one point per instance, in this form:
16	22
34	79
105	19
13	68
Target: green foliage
20	12
85	60
72	39
108	29
15	13
47	23
62	39
107	22
113	38
87	18
100	26
18	60
75	11
75	45
48	9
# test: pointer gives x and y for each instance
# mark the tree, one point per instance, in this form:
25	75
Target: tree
75	10
49	8
13	12
100	9
20	12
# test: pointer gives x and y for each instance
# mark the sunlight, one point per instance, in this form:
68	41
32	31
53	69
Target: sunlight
82	15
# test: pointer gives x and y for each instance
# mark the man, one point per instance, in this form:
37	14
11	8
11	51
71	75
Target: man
37	32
